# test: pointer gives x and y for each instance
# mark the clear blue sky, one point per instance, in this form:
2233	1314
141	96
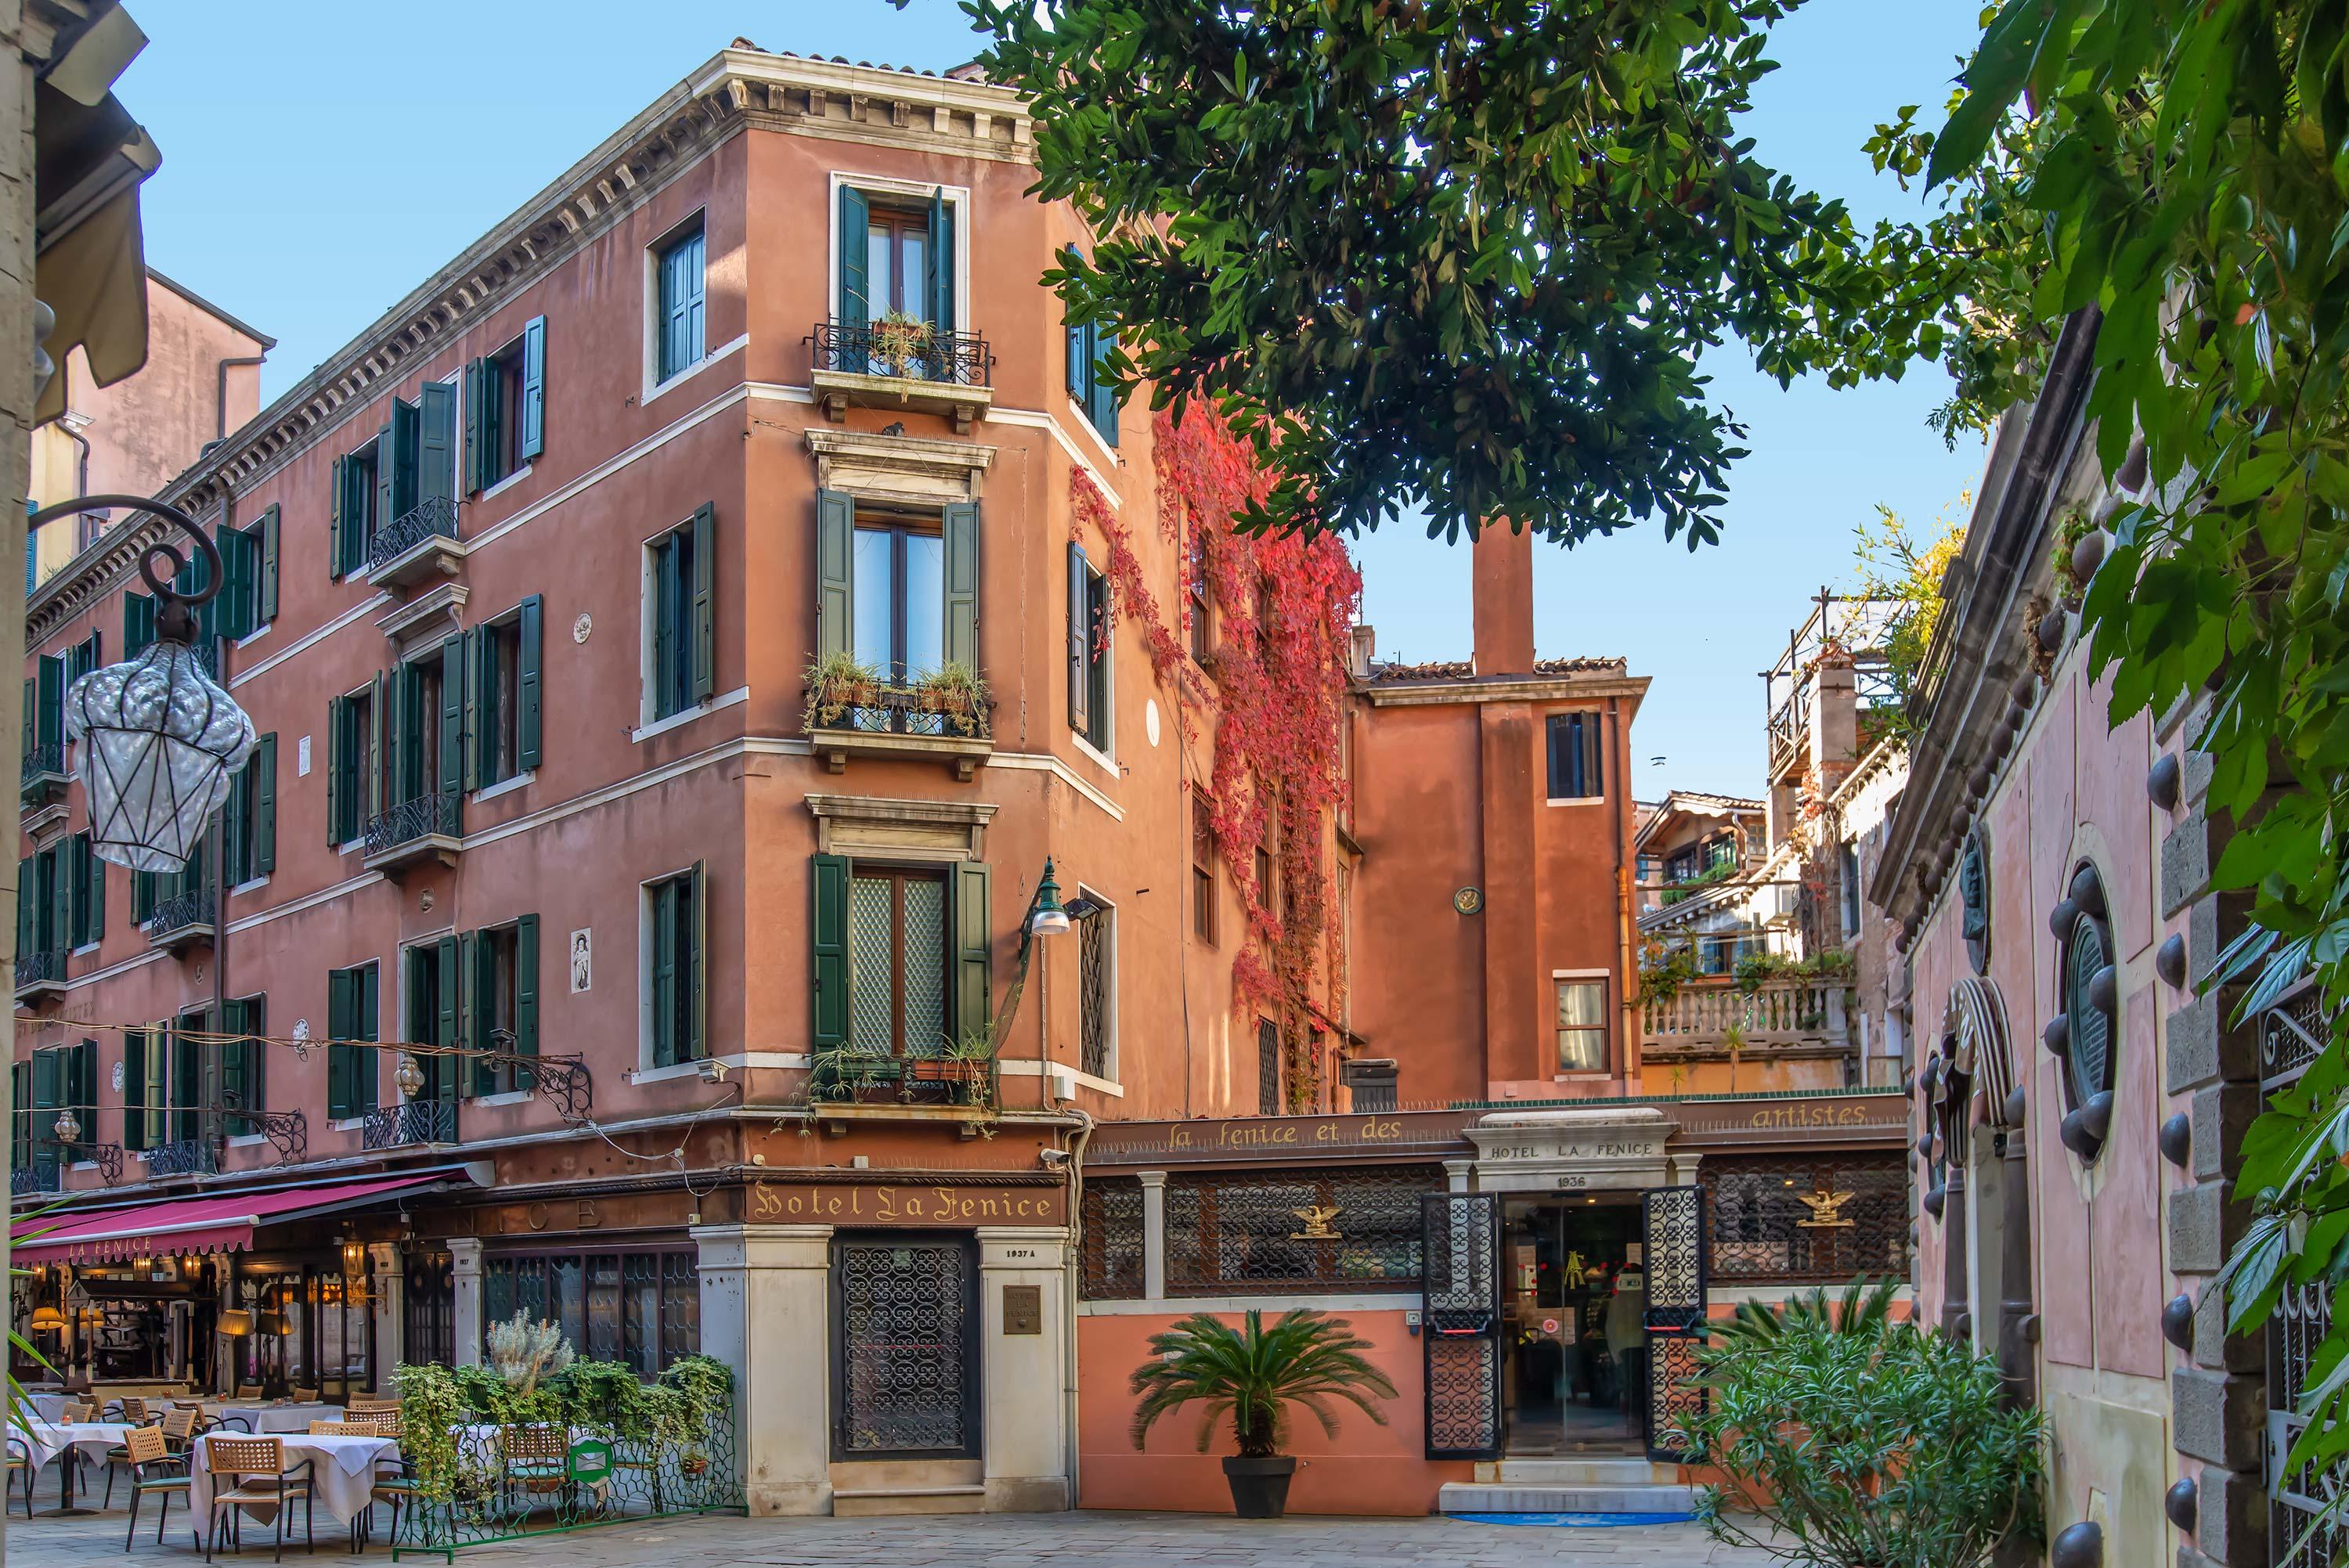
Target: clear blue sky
321	160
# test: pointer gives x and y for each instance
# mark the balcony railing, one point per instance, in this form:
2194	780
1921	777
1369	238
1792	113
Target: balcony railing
184	1157
427	522
415	1122
41	1176
902	721
905	710
189	914
902	353
1780	1015
40	969
45	769
439	815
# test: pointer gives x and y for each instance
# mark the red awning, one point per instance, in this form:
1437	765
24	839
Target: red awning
194	1224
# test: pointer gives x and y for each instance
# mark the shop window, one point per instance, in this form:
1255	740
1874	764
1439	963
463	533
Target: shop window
680	628
630	1306
428	1306
1581	1026
676	943
1239	1234
1110	1256
1577	771
1776	1219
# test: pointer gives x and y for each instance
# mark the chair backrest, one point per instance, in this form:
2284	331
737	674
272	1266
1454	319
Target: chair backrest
133	1410
245	1456
180	1424
145	1445
248	1391
80	1413
306	1396
342	1430
535	1445
364	1406
387	1423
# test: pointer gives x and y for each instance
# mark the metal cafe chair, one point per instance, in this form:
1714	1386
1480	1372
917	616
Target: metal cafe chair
153	1468
262	1479
180	1427
535	1457
20	1472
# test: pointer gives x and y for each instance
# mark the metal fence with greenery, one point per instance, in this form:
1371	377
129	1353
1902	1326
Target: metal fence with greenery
490	1458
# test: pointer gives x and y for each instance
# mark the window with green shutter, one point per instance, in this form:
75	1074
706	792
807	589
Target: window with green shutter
137	623
675	1009
354	769
248	596
505	408
1092	346
680	568
188	1055
435	1011
45	715
86	896
679	269
249	824
503	981
508	694
146	1087
898	590
243	1062
1089	651
351	1069
902	957
353	492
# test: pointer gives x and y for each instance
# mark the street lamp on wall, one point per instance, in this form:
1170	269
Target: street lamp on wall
1045	915
160	739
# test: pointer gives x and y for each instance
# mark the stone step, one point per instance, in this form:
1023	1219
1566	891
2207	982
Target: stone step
1579	1472
870	1502
1461	1496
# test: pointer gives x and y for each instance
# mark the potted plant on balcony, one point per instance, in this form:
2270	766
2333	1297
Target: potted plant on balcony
959	693
901	342
1253	1374
836	683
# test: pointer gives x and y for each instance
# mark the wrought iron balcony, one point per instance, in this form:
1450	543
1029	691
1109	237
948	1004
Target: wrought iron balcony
288	1131
430	827
420	544
41	1176
41	975
899	365
44	773
106	1156
900	721
411	1122
184	1157
178	921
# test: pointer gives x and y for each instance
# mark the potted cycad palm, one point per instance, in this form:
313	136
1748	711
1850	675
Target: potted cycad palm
1253	1374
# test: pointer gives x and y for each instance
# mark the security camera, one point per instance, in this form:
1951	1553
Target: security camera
1054	1157
712	1070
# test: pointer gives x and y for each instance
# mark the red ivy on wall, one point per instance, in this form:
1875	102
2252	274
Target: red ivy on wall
1274	685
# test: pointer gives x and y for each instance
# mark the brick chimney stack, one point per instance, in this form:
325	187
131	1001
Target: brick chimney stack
1503	596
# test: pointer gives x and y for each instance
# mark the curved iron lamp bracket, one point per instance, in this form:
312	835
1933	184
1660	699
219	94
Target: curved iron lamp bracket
175	619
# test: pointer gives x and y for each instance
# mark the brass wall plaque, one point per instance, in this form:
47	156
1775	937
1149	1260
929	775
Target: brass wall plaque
1023	1309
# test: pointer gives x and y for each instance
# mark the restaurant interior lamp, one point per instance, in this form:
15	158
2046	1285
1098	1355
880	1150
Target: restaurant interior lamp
1049	918
409	1076
160	739
47	1317
69	1125
236	1322
272	1323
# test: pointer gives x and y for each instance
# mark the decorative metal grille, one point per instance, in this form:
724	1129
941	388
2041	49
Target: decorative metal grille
1245	1232
957	358
36	968
183	1157
1784	1218
871	1005
1673	1393
892	709
903	1321
1111	1253
437	813
2090	1026
1674	1253
1093	994
926	967
414	1121
43	759
1267	1067
2305	1501
419	522
43	1176
176	915
1461	1239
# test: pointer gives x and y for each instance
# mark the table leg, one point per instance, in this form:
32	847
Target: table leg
66	1508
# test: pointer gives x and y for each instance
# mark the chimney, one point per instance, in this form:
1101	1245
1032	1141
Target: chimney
1361	645
1503	565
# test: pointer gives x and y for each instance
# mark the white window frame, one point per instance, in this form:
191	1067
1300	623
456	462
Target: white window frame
644	974
957	200
1110	1064
1105	756
1605	977
648	613
654	383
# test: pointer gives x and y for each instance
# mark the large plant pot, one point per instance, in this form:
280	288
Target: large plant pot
1259	1486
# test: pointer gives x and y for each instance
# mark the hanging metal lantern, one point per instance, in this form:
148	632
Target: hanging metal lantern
160	738
69	1125
409	1076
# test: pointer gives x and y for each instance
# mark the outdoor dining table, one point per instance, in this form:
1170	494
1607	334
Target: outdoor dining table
49	1440
49	1407
265	1417
342	1469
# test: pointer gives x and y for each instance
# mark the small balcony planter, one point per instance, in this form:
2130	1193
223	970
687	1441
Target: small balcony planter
850	710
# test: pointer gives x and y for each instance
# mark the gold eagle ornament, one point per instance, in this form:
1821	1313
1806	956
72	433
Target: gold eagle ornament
1316	1219
1826	1210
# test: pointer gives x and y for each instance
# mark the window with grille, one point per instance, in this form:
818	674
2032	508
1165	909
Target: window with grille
1096	997
906	1337
1267	1067
1233	1235
1785	1217
898	963
1109	1257
643	1307
1203	869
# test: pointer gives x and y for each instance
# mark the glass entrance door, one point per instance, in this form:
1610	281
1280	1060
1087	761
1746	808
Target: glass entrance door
1573	1372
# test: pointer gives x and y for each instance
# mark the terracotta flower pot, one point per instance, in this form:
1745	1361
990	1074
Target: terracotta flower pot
1259	1486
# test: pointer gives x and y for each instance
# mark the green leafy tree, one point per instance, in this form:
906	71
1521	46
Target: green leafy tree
1252	1374
1457	252
1857	1441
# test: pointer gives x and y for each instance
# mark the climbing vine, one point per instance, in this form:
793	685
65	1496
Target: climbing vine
1272	690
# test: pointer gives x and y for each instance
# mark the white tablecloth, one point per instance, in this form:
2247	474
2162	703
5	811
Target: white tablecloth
264	1418
47	1440
49	1407
343	1468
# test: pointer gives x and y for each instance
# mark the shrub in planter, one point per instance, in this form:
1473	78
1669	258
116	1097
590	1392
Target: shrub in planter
1252	1375
836	683
1862	1442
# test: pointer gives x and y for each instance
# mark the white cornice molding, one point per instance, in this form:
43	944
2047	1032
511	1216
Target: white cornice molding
1542	688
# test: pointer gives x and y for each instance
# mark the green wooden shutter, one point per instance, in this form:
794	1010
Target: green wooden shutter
704	601
50	692
372	761
525	994
960	526
938	263
529	686
1079	346
479	965
60	933
240	573
48	1086
855	219
233	821
24	909
446	1012
1079	643
973	948
835	548
338	518
338	1055
134	1089
478	652
477	430
97	890
828	877
265	589
77	870
452	713
405	465
241	1065
436	442
137	623
334	771
694	967
263	768
1104	398
365	981
532	438
387	469
664	976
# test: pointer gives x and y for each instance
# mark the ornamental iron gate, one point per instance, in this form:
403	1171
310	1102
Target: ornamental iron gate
1673	1253
906	1336
1460	1245
2306	1528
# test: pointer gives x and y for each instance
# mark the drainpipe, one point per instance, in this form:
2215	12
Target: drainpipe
1624	951
219	431
1070	1266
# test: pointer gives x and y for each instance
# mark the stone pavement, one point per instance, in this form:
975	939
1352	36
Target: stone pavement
972	1540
